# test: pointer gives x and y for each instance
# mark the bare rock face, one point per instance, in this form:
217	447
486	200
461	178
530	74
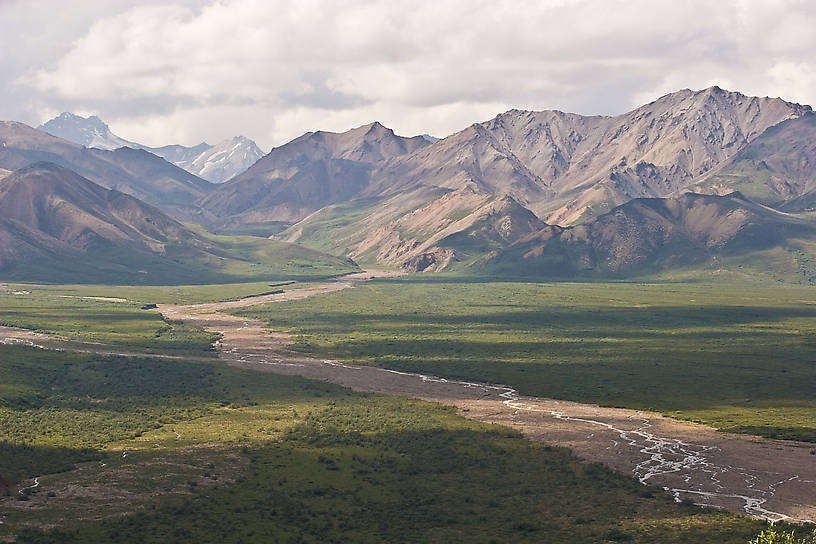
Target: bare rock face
567	167
436	260
474	158
664	146
778	168
428	204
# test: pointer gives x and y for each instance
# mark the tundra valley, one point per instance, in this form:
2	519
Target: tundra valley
545	324
543	327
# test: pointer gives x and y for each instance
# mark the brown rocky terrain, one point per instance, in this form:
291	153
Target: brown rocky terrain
543	158
778	168
653	234
441	237
658	148
377	197
565	168
48	211
308	173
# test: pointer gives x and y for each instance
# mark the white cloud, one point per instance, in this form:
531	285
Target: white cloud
188	71
797	78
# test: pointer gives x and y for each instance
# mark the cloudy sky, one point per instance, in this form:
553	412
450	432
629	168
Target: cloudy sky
183	71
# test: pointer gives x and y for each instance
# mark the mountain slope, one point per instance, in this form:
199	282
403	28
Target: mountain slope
56	225
89	132
215	163
135	172
650	235
473	158
500	222
777	168
567	167
308	173
373	196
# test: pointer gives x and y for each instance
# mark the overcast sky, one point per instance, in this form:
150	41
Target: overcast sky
185	71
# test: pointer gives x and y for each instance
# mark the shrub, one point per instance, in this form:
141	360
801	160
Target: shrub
773	536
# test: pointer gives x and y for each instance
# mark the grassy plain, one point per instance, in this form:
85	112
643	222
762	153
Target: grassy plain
142	450
75	312
735	355
120	323
164	294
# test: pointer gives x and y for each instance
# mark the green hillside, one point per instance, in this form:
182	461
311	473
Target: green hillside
148	451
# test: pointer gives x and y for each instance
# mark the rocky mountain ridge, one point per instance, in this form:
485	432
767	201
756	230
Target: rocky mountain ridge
215	163
565	168
309	173
650	235
427	204
133	171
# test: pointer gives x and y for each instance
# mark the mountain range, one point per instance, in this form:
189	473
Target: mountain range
215	163
136	172
566	169
708	178
55	225
654	235
303	176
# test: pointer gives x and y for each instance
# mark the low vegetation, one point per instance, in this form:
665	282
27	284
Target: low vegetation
134	450
164	294
112	314
772	535
249	259
121	323
738	356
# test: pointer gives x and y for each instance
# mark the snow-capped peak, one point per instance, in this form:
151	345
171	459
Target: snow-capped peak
88	131
226	159
216	163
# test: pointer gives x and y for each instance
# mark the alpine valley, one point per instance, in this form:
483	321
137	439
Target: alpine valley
545	327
